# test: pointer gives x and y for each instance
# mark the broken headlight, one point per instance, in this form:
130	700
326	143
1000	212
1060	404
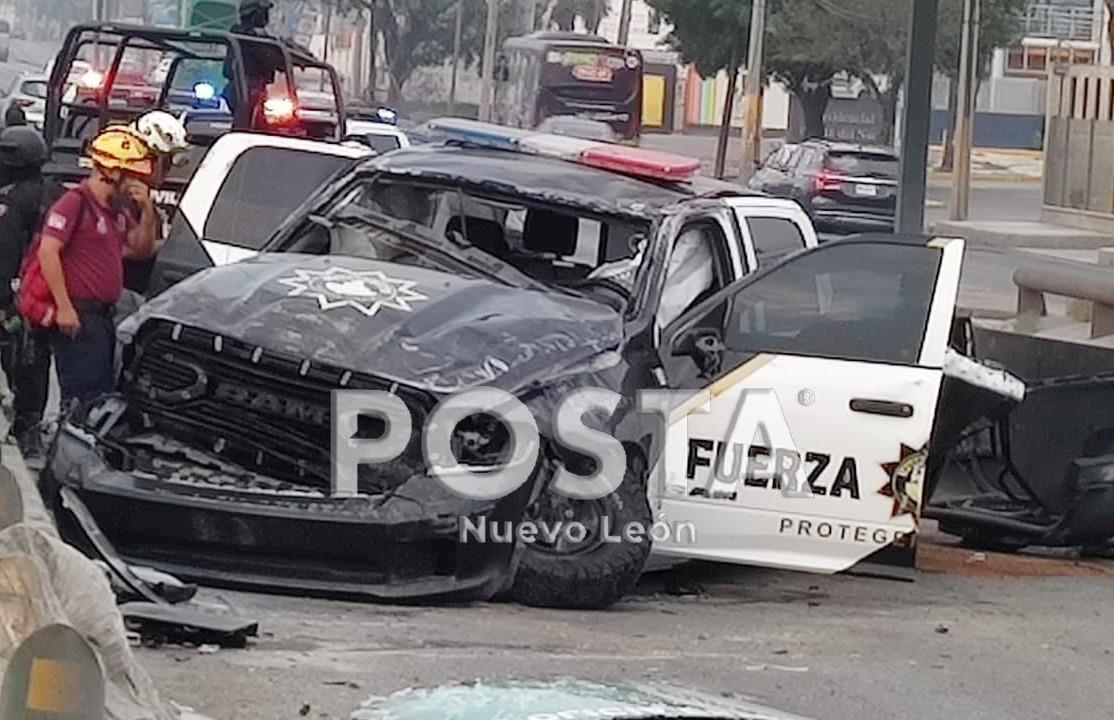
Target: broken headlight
481	440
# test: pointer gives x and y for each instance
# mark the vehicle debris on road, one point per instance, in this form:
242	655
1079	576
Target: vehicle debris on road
160	612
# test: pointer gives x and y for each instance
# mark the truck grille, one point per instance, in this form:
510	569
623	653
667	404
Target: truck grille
267	412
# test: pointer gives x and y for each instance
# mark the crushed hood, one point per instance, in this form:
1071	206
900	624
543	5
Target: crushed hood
411	325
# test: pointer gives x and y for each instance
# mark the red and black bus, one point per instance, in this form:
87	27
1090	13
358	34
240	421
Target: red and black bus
550	74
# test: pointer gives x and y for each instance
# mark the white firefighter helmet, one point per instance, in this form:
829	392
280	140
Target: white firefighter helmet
163	132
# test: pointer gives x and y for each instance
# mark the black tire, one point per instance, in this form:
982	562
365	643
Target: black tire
597	574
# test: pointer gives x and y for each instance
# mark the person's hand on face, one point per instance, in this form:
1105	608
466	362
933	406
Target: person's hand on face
138	192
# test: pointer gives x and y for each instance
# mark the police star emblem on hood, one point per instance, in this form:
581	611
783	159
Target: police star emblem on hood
367	291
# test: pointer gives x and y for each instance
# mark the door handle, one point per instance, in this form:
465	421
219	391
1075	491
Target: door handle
882	407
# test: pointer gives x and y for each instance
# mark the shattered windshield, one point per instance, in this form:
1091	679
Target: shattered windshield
555	246
364	233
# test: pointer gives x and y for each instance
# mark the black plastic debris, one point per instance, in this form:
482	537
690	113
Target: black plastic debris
160	614
163	624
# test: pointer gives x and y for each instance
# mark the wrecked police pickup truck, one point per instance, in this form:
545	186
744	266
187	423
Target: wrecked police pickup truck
213	461
589	244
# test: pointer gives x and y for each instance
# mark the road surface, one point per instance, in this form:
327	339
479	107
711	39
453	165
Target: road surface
830	648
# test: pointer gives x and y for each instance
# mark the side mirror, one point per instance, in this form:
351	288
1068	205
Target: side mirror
704	346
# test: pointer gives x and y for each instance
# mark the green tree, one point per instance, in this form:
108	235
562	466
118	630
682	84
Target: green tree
885	23
1001	24
713	35
880	62
563	14
808	43
418	33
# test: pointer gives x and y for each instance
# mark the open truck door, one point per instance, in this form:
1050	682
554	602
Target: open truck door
816	384
246	186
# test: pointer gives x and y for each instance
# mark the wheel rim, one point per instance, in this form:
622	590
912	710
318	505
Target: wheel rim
552	509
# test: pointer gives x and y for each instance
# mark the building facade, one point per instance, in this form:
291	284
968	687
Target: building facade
1012	101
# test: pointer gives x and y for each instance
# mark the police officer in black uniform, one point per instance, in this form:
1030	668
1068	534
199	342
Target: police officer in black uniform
255	16
261	61
24	352
14	116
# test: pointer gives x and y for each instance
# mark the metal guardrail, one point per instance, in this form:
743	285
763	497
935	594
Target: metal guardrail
1057	21
1082	281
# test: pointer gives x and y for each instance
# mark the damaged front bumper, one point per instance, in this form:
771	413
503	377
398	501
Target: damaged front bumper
189	513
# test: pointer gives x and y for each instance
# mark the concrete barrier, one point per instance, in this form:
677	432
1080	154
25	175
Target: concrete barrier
1083	281
44	581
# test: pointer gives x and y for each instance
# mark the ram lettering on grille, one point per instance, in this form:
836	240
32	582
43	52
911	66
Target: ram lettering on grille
272	403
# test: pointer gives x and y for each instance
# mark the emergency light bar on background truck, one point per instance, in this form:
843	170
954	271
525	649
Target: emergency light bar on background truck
634	161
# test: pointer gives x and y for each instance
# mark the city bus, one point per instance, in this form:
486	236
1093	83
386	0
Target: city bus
549	74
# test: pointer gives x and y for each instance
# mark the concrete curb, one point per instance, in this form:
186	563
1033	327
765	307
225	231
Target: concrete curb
988	176
1003	234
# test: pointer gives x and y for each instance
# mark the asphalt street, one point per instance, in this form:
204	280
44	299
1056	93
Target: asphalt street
831	648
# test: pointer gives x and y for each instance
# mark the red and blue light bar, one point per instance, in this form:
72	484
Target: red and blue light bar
592	153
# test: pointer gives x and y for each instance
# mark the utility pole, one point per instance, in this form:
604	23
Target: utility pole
487	68
328	29
752	91
532	16
373	53
916	116
183	13
356	56
456	54
624	24
965	120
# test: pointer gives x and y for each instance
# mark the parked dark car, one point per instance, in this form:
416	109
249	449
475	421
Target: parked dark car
843	187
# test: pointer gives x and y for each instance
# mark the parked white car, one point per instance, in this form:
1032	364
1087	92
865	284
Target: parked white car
28	91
